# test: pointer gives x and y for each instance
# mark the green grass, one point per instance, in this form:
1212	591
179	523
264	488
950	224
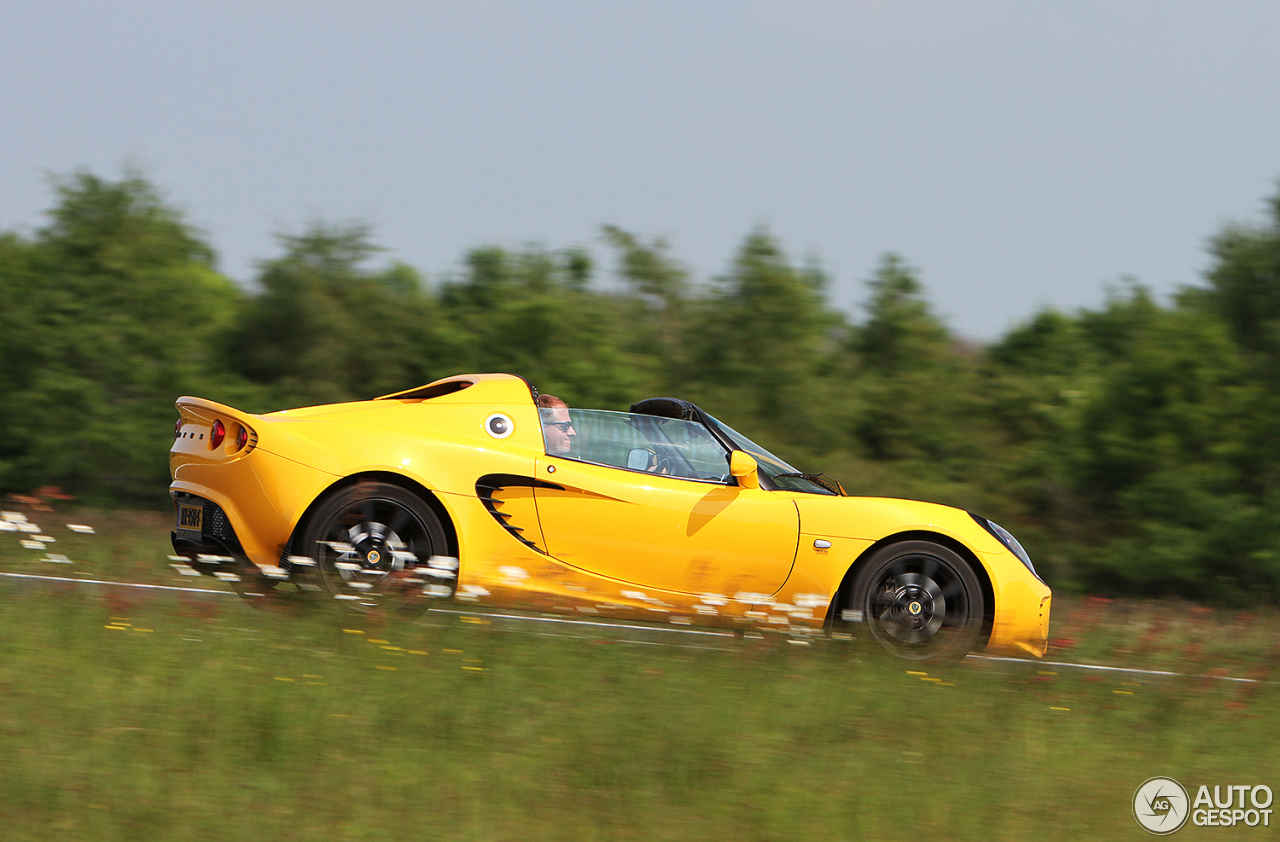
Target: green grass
178	716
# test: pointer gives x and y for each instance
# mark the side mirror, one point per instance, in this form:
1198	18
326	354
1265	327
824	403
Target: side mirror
743	466
638	459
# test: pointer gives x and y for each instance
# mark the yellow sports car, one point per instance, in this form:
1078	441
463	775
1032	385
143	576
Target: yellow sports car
475	489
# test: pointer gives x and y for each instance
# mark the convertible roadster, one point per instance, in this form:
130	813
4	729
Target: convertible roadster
472	489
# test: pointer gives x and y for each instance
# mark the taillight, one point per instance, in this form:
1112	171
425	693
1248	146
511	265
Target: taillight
177	429
217	434
242	437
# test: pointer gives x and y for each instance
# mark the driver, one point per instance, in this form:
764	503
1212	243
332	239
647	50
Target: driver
556	427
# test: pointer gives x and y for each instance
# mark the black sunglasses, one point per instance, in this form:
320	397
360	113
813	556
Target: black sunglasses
564	426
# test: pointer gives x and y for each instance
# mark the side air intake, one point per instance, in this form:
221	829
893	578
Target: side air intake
509	498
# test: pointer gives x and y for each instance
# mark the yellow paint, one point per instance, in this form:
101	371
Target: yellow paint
669	533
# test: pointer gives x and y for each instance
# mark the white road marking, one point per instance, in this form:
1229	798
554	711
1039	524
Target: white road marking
656	629
568	622
118	584
1134	670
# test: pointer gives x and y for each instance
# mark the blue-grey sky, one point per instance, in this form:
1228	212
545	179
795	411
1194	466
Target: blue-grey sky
1021	154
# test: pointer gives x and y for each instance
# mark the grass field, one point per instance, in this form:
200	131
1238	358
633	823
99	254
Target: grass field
127	715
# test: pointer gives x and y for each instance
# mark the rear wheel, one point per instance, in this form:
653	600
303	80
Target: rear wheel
919	601
376	546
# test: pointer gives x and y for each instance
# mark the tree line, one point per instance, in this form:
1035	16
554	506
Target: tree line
1132	447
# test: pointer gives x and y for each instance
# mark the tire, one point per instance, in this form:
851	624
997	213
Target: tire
919	601
372	544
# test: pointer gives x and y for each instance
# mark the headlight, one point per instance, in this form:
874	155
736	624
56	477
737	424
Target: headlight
1011	543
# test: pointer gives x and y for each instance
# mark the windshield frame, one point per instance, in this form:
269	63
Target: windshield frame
781	475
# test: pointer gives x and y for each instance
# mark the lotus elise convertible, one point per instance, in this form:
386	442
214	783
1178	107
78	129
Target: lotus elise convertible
473	490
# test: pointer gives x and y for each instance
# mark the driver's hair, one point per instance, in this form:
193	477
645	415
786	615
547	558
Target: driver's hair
550	402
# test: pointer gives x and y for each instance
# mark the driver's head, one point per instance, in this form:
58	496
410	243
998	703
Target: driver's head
556	426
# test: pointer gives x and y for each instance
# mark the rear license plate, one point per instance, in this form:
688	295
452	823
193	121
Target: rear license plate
191	517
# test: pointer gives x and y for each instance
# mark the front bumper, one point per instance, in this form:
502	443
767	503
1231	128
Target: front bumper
1021	623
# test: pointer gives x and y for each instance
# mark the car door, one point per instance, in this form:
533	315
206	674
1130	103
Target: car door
649	502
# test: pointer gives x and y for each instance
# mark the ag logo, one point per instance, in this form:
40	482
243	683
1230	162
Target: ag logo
1161	806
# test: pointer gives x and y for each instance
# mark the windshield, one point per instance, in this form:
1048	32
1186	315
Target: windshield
785	477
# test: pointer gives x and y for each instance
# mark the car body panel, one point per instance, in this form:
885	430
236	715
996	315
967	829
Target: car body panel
584	539
663	532
875	518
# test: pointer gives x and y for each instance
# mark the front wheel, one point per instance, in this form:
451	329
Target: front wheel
377	546
919	601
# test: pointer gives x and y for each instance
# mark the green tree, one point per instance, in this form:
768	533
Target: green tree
658	307
916	390
1161	463
1244	283
19	282
122	311
762	340
325	327
1037	381
901	332
533	313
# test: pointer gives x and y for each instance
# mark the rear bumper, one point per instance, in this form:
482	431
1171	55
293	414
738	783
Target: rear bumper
256	503
217	537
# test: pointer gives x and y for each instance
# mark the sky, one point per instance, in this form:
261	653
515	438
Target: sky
1020	154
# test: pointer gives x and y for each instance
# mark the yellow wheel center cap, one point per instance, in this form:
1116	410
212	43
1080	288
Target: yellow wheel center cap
374	556
915	607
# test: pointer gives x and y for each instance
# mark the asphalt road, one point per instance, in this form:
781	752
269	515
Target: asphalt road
635	634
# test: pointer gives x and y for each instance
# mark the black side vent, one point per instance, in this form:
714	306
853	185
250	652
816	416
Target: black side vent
487	486
218	527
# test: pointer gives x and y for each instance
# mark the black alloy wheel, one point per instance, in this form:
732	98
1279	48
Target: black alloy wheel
372	545
919	601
